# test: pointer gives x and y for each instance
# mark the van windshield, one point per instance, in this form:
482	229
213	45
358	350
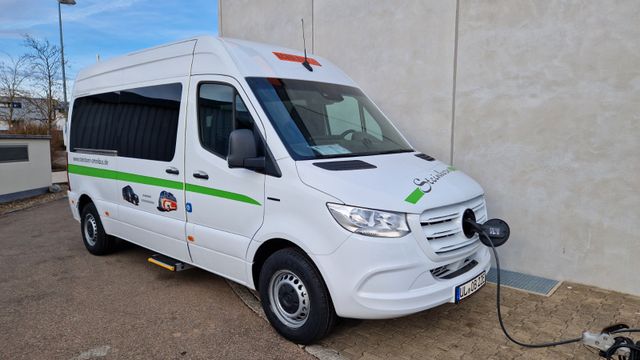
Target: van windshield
319	120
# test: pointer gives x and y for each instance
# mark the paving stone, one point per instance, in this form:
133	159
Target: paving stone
369	356
470	330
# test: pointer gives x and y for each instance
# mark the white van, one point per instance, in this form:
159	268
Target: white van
273	170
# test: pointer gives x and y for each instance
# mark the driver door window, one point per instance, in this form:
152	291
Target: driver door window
220	111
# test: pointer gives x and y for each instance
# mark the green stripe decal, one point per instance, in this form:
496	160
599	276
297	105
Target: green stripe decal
221	194
89	171
148	180
140	179
415	196
128	177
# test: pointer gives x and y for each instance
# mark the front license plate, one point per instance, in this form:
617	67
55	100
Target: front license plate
470	287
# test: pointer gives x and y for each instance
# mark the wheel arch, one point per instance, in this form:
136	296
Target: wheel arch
83	201
267	248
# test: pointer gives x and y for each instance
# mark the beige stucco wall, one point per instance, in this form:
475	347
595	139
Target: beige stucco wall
548	120
363	38
545	112
27	175
273	22
372	41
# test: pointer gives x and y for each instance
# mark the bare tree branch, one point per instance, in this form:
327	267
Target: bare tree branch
13	74
45	61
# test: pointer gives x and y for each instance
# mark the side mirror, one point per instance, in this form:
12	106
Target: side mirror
243	151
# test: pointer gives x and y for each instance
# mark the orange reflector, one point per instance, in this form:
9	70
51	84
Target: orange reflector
190	238
106	213
295	58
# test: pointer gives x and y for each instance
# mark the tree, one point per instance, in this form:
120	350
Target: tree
12	76
45	62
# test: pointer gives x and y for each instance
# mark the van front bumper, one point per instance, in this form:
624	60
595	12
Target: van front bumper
378	278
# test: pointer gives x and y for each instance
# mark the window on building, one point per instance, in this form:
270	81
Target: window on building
14	153
220	111
15	105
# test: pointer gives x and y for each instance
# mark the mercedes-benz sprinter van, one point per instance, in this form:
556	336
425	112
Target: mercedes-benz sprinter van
274	170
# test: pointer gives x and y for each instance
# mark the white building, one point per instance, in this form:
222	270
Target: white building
27	109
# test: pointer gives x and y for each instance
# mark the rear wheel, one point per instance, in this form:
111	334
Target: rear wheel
295	298
93	235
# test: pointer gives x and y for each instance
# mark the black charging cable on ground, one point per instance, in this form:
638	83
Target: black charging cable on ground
499	231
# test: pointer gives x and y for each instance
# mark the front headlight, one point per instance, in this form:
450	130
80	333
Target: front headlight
370	222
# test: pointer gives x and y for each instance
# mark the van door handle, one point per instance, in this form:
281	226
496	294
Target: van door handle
172	171
201	175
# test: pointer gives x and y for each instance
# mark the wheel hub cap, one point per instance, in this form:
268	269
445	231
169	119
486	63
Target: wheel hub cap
90	229
289	298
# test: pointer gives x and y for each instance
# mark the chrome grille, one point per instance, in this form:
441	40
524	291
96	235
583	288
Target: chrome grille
443	226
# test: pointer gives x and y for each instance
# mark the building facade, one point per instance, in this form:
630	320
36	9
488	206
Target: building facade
27	110
25	166
538	100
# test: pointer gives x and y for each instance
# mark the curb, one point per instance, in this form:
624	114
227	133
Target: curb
250	299
28	203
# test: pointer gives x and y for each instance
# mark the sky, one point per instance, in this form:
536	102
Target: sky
105	27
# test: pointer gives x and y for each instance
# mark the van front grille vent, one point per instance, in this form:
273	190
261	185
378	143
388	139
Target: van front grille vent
443	226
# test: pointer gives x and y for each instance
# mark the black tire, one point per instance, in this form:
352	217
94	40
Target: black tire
290	271
93	235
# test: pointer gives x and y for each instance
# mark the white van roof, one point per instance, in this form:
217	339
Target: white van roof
206	55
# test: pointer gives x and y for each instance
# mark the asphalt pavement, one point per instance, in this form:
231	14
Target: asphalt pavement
59	302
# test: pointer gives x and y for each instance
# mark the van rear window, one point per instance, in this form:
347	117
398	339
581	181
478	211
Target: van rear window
137	123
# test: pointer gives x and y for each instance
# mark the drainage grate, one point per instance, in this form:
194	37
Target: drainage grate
529	283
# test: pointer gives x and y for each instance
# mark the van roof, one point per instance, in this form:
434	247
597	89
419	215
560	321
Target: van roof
206	55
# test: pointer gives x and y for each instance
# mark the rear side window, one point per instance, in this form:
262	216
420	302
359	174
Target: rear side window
93	122
148	122
220	111
138	123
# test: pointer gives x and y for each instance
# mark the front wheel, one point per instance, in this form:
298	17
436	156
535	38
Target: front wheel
295	298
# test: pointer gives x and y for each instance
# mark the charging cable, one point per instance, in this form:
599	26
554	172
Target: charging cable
619	345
